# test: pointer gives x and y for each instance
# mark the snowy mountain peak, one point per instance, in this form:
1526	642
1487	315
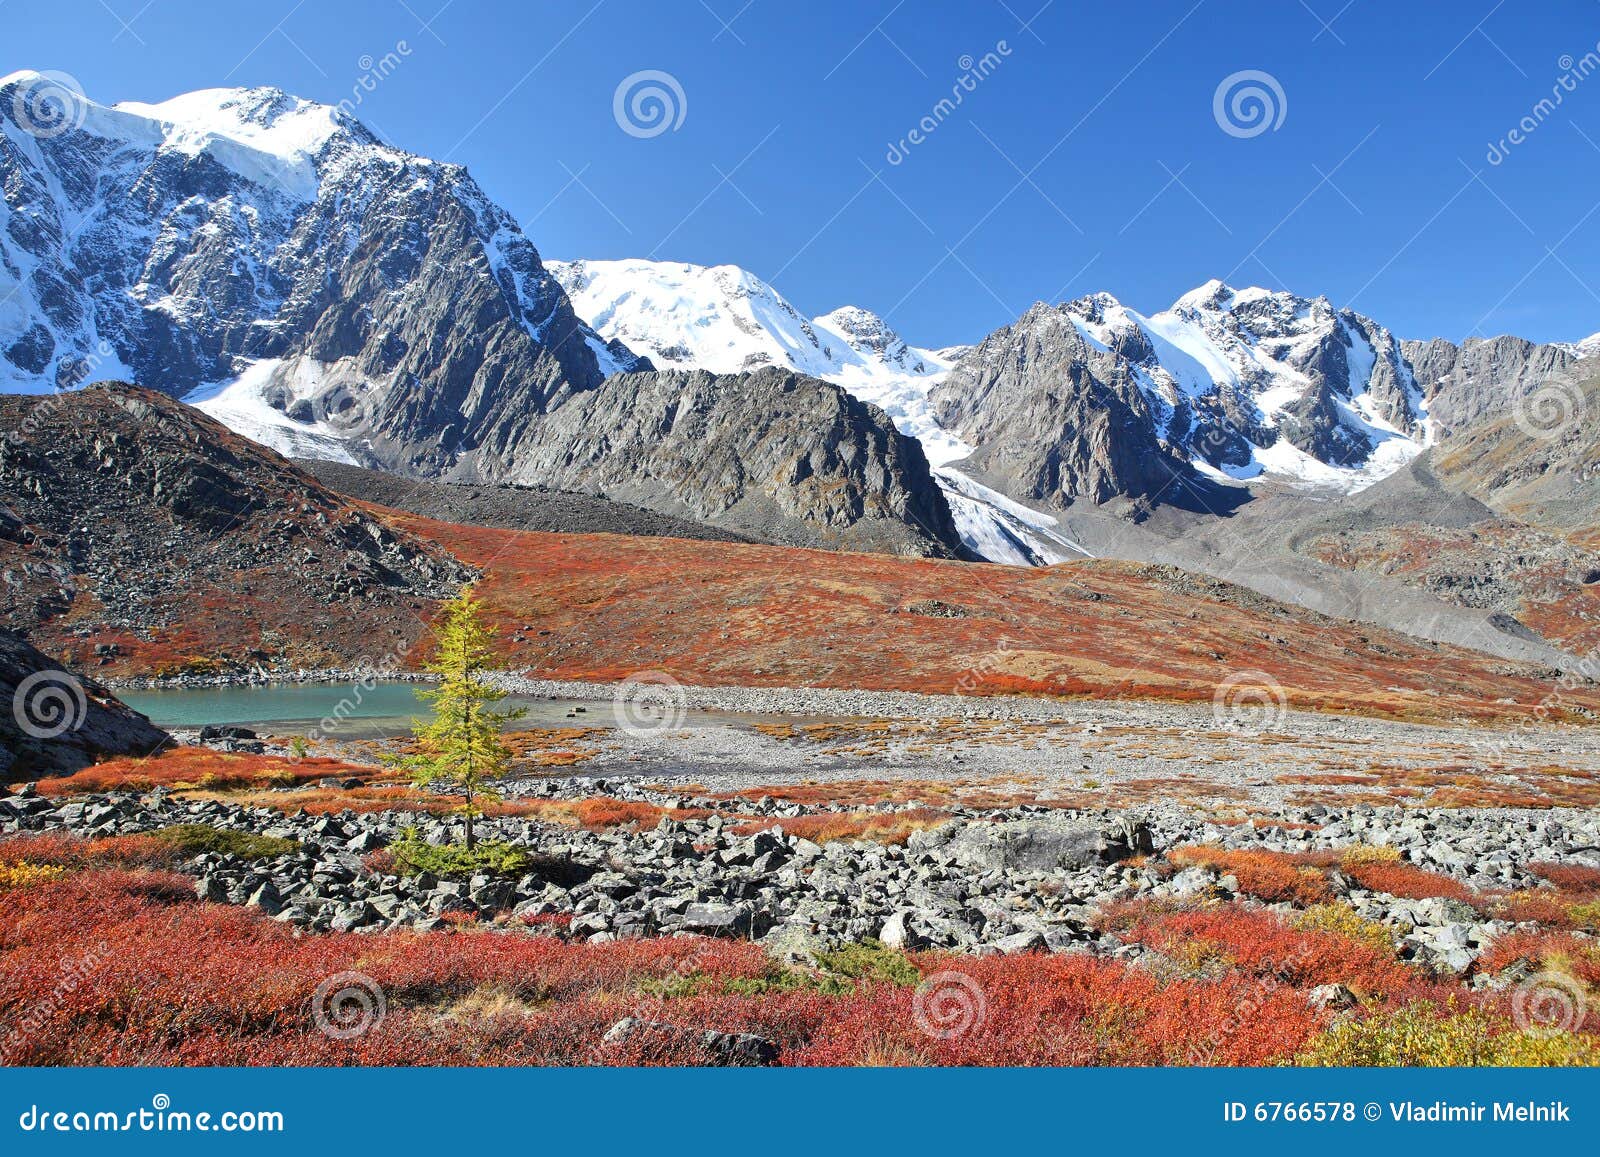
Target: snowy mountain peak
725	319
264	135
1240	383
1218	297
1587	348
1214	294
720	317
875	340
248	243
268	120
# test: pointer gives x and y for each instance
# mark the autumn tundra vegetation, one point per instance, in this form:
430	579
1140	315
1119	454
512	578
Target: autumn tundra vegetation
155	910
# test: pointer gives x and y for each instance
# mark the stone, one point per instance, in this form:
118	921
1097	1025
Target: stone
734	1049
1333	996
795	944
267	898
1029	940
897	932
1043	846
717	919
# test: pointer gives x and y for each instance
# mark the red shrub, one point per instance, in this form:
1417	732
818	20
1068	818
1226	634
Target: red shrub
1063	1010
1271	876
195	767
1260	945
1578	957
145	850
1406	881
1570	877
1539	906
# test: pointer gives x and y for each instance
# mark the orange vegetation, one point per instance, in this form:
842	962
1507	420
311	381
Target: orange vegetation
197	767
879	827
603	607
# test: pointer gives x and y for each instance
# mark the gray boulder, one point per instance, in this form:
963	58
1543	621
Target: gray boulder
1046	845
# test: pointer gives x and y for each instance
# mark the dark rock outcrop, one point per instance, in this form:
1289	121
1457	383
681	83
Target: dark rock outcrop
1478	379
53	722
776	454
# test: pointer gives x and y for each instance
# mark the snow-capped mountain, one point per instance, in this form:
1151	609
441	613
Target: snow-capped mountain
271	258
724	319
271	261
1093	400
1586	348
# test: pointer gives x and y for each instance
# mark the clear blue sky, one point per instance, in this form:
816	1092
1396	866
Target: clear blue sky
1088	159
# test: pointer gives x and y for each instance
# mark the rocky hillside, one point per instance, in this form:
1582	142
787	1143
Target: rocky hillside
139	535
604	608
509	507
57	722
1055	420
1476	380
1539	462
785	457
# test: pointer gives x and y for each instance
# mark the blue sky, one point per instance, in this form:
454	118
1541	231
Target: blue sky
1089	157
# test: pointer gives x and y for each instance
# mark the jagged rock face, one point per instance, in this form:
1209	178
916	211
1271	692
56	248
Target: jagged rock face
132	527
786	457
178	244
1053	418
56	722
1539	462
1243	381
1479	379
